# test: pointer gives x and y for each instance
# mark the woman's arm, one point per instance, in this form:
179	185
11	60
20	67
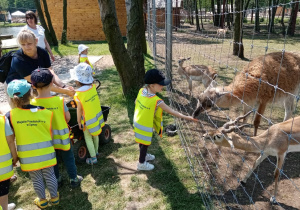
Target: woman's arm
169	110
48	48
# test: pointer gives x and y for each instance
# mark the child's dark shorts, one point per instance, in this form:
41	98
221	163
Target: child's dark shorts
4	187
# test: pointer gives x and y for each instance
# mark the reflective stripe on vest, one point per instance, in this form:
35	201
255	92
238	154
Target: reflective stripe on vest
33	137
60	130
144	120
6	168
92	113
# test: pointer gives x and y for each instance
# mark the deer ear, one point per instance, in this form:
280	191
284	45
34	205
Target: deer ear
188	58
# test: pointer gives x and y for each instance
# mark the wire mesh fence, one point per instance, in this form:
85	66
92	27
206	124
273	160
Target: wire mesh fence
265	82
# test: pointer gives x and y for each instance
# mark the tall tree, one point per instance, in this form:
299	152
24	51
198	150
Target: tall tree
218	17
256	26
238	48
3	5
129	63
293	18
197	16
49	22
65	23
43	22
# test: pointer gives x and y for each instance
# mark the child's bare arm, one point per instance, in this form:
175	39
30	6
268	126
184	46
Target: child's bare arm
169	110
67	116
11	144
79	114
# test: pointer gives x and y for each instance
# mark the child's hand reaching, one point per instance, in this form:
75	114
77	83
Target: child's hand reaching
80	126
192	119
15	160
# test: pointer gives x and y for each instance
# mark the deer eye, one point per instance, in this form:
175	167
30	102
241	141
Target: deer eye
217	137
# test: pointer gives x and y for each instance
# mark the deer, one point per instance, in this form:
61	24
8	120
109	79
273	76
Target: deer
222	32
256	84
203	73
278	140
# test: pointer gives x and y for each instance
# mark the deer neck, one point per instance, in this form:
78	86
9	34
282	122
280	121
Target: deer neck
224	97
249	145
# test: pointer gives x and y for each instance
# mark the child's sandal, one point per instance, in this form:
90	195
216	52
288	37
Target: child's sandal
54	201
41	204
91	161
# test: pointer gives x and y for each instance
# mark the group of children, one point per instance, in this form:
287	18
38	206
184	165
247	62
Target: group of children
40	128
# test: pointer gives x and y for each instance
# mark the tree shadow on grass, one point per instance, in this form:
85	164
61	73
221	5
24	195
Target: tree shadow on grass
164	178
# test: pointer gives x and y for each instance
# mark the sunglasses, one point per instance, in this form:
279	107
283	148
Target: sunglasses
29	17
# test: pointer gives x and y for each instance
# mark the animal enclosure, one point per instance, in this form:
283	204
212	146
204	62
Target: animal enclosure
218	171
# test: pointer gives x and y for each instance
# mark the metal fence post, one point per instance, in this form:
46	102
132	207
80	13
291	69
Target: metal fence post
154	30
169	40
148	21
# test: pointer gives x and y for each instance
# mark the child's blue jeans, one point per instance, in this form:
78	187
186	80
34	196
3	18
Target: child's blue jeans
69	161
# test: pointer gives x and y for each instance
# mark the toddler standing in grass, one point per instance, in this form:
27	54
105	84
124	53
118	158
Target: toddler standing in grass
89	114
83	51
148	115
42	81
8	159
32	126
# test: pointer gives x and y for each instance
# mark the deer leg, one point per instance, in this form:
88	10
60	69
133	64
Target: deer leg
289	107
280	159
256	163
190	87
261	110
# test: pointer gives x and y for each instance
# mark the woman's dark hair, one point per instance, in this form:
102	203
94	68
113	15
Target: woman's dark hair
31	14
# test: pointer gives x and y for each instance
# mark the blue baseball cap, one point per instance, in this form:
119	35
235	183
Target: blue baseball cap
18	87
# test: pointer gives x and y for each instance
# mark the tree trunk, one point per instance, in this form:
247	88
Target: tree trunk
272	18
197	17
238	48
227	17
293	18
213	11
223	15
246	8
282	20
201	14
256	27
131	72
43	22
65	23
49	22
218	17
142	25
231	5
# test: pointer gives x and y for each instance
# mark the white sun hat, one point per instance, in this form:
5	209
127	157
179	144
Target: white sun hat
82	48
82	73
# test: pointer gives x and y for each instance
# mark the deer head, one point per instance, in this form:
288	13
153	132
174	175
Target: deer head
219	136
182	59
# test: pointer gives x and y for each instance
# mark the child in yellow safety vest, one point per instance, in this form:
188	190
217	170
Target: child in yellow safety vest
82	52
148	115
8	159
32	126
42	81
89	114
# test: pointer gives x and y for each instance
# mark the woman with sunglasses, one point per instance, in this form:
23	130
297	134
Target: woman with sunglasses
38	31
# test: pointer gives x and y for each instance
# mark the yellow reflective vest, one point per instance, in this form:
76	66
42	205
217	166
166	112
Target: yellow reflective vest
33	135
6	167
92	113
85	60
147	116
60	129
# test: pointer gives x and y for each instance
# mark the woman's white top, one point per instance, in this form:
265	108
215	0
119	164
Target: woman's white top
39	32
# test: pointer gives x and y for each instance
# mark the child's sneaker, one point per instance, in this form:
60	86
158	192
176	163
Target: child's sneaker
92	161
42	204
145	166
55	201
76	182
149	157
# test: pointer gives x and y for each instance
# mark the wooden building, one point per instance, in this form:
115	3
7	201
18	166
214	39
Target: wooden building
84	21
160	7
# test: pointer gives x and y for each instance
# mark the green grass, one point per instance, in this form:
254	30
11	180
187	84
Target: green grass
114	182
6	24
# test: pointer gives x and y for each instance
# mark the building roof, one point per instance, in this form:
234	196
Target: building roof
162	3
